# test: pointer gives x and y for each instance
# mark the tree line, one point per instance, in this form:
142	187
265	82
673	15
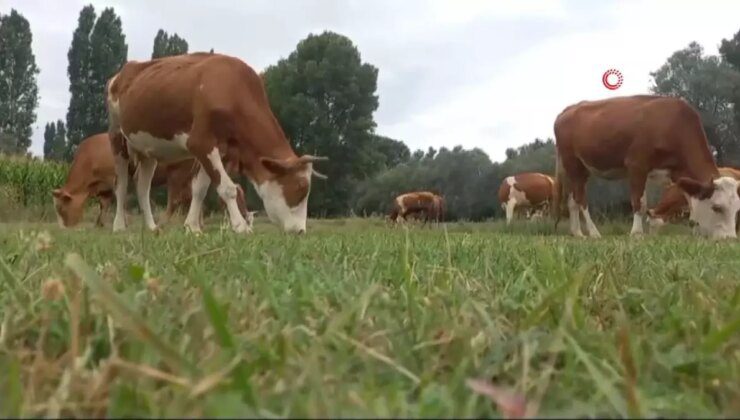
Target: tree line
325	97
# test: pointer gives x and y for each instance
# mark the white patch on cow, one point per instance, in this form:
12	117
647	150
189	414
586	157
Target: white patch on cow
399	200
227	191
199	186
575	221
163	150
289	219
119	221
655	222
716	215
636	224
510	180
510	207
590	226
143	188
638	215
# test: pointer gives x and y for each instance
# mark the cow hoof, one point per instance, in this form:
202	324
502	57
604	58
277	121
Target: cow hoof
242	228
195	230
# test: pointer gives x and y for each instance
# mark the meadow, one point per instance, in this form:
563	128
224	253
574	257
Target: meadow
356	318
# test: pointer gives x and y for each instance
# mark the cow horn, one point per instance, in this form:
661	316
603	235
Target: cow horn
312	158
318	174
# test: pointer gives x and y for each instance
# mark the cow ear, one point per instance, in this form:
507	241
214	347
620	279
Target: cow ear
277	167
695	188
61	195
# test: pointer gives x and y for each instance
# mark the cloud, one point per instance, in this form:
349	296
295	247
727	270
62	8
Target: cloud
481	73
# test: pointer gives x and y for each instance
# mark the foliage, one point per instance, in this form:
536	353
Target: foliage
166	45
356	319
18	89
30	180
708	84
97	52
324	97
55	141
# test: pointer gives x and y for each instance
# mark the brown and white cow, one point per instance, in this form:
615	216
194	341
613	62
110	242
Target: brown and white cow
673	203
528	190
417	203
637	137
92	175
214	108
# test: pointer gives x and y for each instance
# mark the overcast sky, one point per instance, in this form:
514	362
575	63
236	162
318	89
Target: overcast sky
481	73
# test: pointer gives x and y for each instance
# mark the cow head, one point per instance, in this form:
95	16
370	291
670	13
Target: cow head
713	205
68	207
285	194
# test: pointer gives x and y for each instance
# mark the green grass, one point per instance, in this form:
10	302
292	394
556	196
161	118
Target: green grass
360	319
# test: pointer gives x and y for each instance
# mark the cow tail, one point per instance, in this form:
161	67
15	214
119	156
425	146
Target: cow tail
559	190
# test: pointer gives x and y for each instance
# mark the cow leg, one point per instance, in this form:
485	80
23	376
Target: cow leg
199	186
510	207
104	201
119	220
143	189
226	188
639	202
574	215
579	196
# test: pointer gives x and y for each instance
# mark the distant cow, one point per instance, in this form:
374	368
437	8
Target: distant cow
673	204
418	203
213	108
641	137
92	175
528	190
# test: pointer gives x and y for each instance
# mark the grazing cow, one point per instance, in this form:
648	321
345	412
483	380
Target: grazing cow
529	190
213	108
417	203
92	174
673	204
641	137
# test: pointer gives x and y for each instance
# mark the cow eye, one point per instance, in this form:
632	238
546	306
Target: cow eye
718	209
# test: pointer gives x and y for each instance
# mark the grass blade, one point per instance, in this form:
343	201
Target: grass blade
125	316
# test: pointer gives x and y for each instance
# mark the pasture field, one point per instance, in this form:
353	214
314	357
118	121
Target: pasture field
359	319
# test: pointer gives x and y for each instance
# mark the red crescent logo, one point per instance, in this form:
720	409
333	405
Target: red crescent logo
605	79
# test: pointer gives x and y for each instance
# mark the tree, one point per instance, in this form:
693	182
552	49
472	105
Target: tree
97	52
166	45
707	83
18	89
324	97
464	177
55	141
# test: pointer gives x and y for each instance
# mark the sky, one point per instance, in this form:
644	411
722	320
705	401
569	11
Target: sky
491	74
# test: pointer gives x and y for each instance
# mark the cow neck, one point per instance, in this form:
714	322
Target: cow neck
698	161
262	140
78	179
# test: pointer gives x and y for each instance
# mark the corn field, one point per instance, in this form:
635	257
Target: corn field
29	181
